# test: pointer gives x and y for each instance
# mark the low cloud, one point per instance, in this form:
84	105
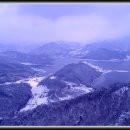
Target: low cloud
15	27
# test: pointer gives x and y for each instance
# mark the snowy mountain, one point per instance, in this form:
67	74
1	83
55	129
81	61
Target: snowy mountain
107	49
57	49
106	54
122	44
70	81
64	83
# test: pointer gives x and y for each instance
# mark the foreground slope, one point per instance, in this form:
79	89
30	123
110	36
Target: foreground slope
13	97
102	107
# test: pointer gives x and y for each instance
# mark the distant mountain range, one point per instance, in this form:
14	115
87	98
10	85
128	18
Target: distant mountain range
103	50
14	56
107	54
106	50
56	49
66	83
122	44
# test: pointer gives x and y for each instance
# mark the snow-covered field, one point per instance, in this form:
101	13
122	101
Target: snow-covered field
32	81
39	93
73	90
53	77
39	97
81	87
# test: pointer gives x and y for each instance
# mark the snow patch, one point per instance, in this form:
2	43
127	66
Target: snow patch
75	52
27	63
122	90
39	93
53	77
7	83
99	69
121	70
111	60
33	82
65	98
78	51
71	91
39	97
80	87
39	70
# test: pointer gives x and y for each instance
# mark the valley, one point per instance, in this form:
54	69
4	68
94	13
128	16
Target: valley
64	64
57	79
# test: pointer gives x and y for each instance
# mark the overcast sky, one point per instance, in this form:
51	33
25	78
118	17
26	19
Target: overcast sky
37	23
